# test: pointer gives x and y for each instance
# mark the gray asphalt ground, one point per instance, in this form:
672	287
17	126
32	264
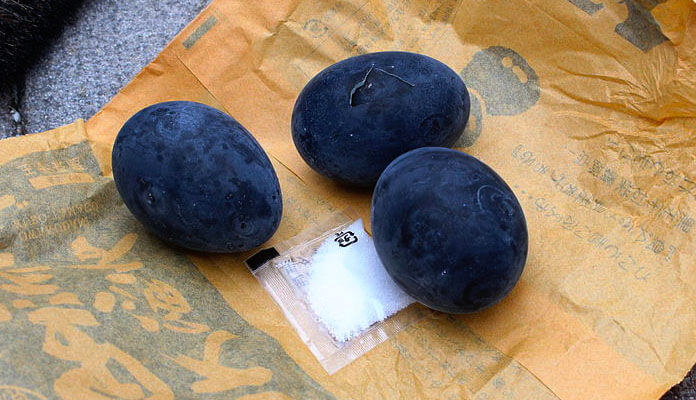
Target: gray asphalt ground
100	52
106	45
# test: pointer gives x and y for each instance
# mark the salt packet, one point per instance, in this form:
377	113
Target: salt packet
335	292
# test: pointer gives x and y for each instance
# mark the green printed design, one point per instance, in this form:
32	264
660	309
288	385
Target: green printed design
640	28
500	82
99	307
200	31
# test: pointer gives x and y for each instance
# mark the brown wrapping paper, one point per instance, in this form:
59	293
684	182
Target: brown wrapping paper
587	108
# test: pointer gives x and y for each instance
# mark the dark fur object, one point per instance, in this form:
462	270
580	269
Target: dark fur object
685	390
27	27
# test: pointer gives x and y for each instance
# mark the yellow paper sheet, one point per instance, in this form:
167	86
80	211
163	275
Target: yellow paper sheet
587	108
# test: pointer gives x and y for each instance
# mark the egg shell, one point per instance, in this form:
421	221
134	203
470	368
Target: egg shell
196	178
449	230
356	116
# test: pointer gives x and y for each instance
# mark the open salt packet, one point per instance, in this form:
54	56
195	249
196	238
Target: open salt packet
334	290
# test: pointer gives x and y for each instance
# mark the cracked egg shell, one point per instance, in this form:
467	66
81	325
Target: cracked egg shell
196	178
356	116
449	230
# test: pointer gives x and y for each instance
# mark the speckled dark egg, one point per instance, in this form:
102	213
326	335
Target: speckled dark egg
449	230
356	116
196	178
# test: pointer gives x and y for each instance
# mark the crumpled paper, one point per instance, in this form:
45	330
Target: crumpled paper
587	108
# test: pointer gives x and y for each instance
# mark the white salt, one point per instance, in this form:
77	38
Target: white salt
348	288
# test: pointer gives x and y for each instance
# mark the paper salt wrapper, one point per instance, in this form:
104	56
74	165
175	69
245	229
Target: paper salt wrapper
348	288
584	107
